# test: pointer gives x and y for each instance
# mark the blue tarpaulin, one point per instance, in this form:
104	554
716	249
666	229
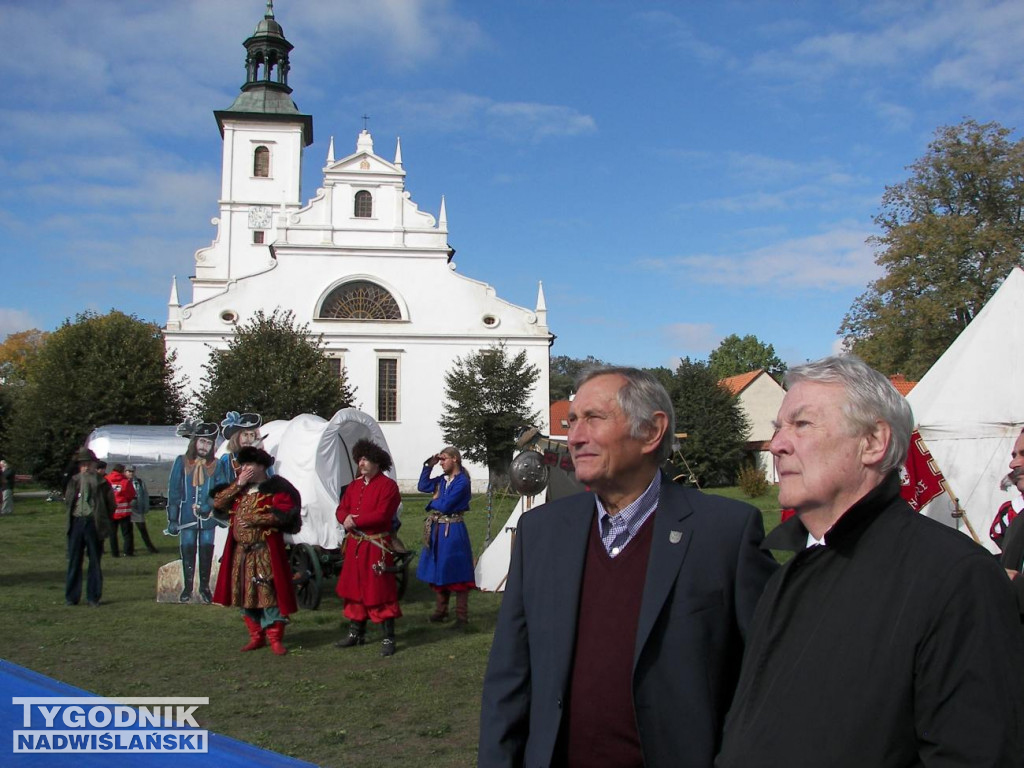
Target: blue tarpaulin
18	682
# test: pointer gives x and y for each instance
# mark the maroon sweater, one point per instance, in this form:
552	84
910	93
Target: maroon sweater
600	724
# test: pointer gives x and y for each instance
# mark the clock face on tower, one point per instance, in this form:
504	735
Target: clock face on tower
260	217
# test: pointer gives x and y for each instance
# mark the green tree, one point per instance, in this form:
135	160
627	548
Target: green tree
737	355
99	369
488	398
716	429
564	371
950	234
275	368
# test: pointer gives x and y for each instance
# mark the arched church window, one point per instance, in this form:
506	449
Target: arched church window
261	162
360	300
364	204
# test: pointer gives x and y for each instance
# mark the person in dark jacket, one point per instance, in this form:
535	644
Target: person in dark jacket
89	501
889	640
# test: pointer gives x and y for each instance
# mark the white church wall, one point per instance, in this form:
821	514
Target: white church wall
310	249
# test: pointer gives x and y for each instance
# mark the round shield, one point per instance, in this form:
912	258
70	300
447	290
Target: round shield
528	474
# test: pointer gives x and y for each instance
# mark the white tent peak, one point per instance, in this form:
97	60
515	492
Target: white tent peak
969	409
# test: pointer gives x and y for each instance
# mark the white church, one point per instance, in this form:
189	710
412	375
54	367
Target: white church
359	262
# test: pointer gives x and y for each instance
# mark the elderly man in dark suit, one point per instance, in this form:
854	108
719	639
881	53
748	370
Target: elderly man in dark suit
626	609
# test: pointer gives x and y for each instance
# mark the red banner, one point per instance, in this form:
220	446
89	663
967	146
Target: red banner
920	478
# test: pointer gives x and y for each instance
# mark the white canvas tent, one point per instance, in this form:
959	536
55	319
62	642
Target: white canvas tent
969	408
315	455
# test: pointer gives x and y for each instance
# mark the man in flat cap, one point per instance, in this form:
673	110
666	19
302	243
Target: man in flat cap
90	506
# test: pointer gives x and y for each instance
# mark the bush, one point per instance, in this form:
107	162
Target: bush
752	481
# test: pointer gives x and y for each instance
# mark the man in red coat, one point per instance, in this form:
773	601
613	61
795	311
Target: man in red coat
124	495
254	571
367	582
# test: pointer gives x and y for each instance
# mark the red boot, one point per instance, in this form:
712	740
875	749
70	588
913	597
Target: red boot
441	608
275	634
257	639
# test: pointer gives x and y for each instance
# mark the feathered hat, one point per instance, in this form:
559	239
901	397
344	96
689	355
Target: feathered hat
236	422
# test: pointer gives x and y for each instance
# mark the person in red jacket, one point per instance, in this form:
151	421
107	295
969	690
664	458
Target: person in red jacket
367	584
124	495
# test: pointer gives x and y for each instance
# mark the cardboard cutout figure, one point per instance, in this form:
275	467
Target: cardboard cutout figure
190	508
240	430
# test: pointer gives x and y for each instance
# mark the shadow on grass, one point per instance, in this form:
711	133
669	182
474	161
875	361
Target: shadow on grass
40	578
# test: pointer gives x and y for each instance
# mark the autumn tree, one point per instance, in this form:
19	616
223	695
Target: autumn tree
95	370
275	368
950	234
16	353
737	355
488	396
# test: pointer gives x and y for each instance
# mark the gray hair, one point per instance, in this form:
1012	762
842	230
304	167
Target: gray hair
640	398
870	397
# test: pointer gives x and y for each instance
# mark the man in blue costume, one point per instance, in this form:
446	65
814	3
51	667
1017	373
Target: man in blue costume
190	508
446	560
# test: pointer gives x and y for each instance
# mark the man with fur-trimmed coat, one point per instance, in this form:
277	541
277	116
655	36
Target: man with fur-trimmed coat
254	571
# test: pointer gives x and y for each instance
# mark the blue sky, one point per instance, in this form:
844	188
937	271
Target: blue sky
674	172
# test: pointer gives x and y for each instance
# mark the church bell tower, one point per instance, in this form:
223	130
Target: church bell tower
264	135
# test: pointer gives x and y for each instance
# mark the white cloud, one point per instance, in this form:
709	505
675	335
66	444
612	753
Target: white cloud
691	338
511	121
680	35
836	259
14	321
972	46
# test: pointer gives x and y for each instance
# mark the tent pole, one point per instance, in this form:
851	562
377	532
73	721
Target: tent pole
958	512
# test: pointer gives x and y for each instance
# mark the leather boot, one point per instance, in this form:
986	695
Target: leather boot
257	638
387	643
441	608
356	635
461	609
275	634
205	564
188	574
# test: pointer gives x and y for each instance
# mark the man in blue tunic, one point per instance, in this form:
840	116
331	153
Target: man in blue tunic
446	560
190	508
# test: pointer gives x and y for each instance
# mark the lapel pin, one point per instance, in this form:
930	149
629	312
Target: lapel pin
675	537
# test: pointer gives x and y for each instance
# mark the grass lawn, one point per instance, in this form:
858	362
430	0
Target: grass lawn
328	706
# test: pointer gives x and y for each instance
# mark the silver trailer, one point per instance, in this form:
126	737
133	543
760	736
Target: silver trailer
151	449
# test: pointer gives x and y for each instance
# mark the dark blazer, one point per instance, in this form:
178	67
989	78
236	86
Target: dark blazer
705	574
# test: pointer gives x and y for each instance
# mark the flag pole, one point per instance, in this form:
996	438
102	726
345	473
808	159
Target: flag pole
917	441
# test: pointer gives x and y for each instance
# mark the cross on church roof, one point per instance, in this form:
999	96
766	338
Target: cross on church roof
366	119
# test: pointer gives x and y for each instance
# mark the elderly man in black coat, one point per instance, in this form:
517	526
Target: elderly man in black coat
888	640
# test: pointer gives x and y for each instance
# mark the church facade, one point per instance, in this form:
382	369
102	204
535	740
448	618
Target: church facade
360	263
